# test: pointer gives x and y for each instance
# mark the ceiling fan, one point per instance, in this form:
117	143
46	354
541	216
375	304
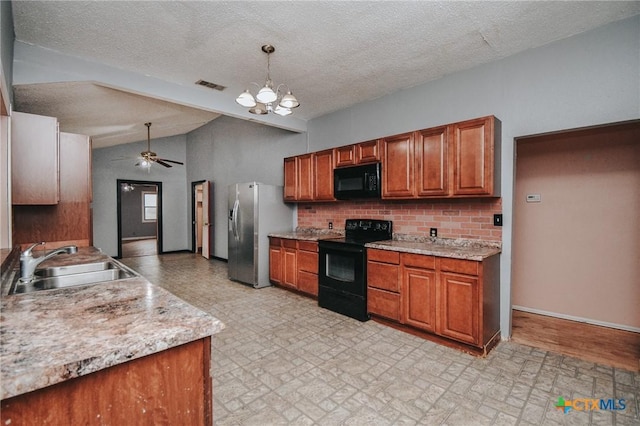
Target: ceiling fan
147	157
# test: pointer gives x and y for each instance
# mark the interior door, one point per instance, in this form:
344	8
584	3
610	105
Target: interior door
206	219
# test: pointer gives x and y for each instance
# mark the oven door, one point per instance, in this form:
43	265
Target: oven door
342	267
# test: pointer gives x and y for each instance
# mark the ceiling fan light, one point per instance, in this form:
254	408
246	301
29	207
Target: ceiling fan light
289	101
246	99
280	110
266	95
259	109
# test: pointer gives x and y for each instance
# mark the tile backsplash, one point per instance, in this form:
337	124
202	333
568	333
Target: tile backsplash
454	218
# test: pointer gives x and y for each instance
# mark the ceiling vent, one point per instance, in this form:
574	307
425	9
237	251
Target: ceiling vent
210	85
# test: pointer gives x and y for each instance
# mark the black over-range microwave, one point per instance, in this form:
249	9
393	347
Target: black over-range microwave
350	183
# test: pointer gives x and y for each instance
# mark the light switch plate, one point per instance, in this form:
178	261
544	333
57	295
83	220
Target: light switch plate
533	198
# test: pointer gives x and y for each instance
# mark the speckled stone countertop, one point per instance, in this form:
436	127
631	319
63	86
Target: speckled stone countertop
443	247
310	234
47	337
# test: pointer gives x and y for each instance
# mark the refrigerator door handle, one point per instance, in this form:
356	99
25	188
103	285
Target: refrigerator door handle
234	218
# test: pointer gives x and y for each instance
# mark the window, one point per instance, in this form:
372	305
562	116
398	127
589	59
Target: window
149	206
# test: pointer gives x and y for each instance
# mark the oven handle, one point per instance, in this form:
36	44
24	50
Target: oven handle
339	247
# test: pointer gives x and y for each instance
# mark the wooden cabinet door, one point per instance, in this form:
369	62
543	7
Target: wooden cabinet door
419	297
431	162
345	156
459	307
397	166
275	261
34	159
290	179
305	177
323	179
367	152
289	264
473	157
172	387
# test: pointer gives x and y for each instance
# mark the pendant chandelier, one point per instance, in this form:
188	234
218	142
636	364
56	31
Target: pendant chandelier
268	100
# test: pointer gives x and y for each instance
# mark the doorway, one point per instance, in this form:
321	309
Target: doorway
575	241
139	206
201	217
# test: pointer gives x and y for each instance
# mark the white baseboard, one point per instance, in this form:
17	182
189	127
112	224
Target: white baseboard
578	319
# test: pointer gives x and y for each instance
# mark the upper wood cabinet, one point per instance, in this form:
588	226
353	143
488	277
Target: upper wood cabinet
368	152
432	162
290	179
298	178
476	157
345	155
456	160
323	176
69	221
397	166
309	177
359	153
34	159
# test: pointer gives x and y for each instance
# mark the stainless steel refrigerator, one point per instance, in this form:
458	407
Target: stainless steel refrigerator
255	211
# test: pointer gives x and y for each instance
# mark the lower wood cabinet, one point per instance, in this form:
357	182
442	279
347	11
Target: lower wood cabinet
451	298
294	264
171	387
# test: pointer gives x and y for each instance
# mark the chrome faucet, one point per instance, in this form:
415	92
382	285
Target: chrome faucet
28	263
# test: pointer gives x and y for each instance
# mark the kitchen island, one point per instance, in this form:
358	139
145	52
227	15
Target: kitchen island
117	352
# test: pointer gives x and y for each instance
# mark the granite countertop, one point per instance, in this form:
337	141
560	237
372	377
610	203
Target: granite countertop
310	234
443	247
47	337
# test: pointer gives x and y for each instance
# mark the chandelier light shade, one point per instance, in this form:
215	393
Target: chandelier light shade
267	99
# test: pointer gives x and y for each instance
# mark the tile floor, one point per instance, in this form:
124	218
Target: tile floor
283	360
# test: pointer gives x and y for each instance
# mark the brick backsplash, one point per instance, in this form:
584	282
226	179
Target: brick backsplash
457	218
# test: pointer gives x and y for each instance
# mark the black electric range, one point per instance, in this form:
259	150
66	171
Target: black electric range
342	269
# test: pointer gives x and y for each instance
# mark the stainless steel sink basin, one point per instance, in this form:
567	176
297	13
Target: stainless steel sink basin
73	275
55	271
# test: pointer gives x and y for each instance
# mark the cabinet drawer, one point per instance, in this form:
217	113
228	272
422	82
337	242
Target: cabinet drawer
308	261
469	267
308	245
308	282
274	241
385	256
384	276
383	303
419	261
290	243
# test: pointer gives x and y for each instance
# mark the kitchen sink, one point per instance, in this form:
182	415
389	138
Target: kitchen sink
73	275
55	271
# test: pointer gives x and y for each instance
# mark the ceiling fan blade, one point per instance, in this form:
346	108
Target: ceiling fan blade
162	163
171	161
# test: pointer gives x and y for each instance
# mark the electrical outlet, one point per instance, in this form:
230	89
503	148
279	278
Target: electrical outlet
330	225
433	232
497	219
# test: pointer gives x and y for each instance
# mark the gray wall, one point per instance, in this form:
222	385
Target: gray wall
585	80
228	151
110	164
131	205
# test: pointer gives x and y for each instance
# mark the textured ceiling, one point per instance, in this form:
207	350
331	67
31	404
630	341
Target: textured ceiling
332	54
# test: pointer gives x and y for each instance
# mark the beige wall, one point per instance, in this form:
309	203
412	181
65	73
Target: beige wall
577	252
